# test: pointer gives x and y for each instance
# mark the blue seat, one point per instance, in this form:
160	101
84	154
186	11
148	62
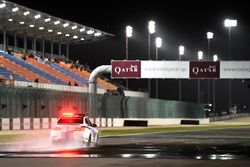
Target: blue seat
34	69
6	73
69	73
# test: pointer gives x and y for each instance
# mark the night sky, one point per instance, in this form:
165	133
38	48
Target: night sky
177	23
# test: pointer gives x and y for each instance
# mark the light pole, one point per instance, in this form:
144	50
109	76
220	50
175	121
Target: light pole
181	52
151	30
215	58
158	43
200	57
229	24
210	36
129	33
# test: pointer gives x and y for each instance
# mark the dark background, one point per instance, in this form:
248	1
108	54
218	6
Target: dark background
177	23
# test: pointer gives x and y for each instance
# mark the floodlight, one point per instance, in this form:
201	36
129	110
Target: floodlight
151	27
181	50
129	31
15	9
210	35
200	55
47	20
158	42
57	22
97	34
215	57
65	24
230	23
26	13
74	27
2	5
90	32
37	16
82	29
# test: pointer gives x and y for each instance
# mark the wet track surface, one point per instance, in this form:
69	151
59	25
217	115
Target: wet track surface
229	144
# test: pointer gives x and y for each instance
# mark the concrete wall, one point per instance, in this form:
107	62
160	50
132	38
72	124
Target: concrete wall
73	88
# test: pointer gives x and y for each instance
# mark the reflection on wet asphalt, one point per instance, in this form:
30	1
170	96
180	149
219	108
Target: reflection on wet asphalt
227	144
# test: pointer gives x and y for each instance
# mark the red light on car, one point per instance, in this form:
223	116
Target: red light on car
67	114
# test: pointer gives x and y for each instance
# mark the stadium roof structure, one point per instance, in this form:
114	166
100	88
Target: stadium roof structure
28	22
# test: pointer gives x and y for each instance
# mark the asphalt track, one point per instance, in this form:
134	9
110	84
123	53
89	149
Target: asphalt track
221	147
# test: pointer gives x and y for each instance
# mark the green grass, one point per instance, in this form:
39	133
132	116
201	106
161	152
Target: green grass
6	138
165	129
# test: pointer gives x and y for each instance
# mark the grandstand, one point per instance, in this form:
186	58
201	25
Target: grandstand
22	26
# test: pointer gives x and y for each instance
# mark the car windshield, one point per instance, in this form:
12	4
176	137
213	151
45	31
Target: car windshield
70	120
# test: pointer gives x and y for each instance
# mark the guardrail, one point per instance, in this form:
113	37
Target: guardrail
226	117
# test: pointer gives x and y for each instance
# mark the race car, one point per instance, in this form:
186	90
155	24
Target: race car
74	127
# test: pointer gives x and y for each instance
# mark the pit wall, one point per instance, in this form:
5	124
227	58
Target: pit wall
47	123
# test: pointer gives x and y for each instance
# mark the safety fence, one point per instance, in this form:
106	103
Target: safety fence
29	102
230	116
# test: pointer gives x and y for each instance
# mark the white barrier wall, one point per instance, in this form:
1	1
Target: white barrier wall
16	123
119	122
45	123
26	123
5	123
36	123
73	88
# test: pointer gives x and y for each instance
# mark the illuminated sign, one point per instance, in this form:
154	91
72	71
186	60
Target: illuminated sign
235	69
165	69
181	69
204	69
126	69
